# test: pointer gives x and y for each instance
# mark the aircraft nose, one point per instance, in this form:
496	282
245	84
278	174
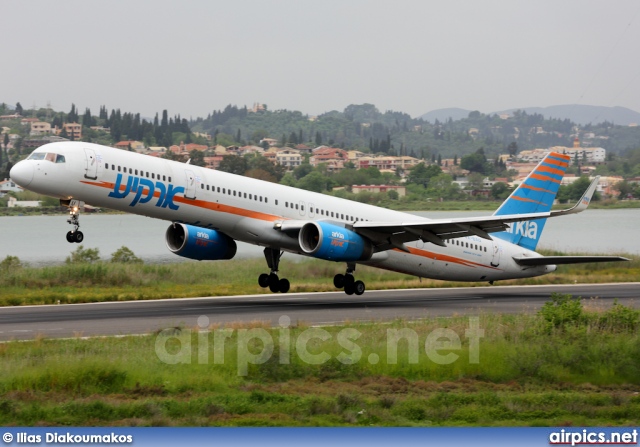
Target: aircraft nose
22	173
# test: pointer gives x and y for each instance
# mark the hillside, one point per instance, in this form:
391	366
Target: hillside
365	128
577	113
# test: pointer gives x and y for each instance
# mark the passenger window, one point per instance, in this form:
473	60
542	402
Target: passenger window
106	165
266	200
218	189
136	172
131	171
153	176
276	202
297	206
201	185
261	198
245	195
169	179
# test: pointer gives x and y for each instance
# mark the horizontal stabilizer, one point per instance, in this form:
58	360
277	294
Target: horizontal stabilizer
558	260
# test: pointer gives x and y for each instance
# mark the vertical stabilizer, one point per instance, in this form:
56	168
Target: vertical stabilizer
535	195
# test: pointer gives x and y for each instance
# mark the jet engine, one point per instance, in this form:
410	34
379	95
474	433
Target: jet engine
333	243
199	243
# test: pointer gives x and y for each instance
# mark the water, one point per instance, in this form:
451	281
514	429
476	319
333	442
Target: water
40	240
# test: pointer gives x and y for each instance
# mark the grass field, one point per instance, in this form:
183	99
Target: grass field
563	366
105	281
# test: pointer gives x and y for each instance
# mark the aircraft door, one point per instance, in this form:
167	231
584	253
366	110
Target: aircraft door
190	189
495	260
91	166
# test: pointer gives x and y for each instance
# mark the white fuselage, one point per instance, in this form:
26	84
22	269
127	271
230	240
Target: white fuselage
247	209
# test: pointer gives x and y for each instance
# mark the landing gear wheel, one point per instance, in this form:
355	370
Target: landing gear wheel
70	237
274	283
338	281
358	287
263	280
284	285
349	280
349	289
78	236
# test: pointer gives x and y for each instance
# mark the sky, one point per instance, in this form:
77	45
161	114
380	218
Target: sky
195	56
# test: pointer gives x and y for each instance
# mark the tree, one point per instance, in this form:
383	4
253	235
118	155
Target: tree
315	181
259	162
624	188
302	170
500	190
124	255
197	157
72	116
421	174
233	164
83	256
476	162
512	149
19	109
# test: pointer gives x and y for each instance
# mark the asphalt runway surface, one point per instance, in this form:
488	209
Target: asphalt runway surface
141	317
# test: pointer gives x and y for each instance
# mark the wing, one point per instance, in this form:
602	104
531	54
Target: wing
387	235
557	260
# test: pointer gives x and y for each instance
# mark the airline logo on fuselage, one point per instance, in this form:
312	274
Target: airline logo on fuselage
144	190
528	229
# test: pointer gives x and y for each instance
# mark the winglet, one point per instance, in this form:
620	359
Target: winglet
583	203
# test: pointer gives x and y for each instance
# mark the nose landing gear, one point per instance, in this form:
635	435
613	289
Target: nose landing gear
74	219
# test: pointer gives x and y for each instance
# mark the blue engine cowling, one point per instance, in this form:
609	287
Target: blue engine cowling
199	243
333	243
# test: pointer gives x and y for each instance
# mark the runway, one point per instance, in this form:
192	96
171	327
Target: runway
140	317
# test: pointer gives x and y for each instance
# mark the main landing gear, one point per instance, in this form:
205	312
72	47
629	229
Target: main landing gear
74	219
271	280
348	282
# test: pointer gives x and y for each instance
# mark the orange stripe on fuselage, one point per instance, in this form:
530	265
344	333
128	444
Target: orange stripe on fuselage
444	258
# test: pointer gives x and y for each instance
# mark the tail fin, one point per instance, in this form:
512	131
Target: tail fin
535	195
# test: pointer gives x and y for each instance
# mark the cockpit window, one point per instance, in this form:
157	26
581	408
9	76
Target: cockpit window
49	156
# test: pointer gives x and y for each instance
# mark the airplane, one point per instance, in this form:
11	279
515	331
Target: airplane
210	210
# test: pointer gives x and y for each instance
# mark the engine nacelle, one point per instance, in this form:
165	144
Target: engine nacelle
333	243
199	243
